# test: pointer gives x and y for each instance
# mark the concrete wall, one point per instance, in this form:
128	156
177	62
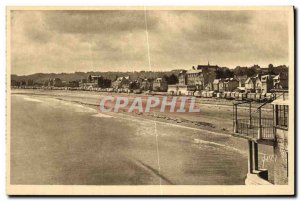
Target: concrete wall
257	178
281	153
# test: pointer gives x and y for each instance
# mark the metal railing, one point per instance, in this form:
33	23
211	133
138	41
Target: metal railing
255	128
282	121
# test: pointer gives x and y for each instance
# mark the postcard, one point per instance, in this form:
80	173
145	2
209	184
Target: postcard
150	101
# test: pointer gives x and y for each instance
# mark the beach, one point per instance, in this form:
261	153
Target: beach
62	138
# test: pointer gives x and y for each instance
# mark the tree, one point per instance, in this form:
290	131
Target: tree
172	79
270	66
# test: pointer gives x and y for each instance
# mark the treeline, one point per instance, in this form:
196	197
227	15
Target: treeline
41	77
171	76
225	72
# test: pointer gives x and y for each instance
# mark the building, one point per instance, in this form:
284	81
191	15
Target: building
186	84
182	78
104	83
146	84
208	67
216	83
195	78
230	84
221	85
134	85
258	84
97	81
250	84
242	79
265	129
178	90
82	82
225	85
160	84
199	76
281	81
121	83
209	86
267	83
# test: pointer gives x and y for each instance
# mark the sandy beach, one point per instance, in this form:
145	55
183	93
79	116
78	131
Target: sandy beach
215	114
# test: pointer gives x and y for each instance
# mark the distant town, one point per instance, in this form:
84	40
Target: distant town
201	81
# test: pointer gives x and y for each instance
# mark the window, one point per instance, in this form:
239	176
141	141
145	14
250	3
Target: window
282	114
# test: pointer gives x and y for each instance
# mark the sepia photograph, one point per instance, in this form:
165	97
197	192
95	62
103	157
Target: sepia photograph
150	101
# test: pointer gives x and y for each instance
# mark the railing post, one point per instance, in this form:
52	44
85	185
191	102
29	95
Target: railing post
259	125
235	119
255	155
250	117
274	122
250	158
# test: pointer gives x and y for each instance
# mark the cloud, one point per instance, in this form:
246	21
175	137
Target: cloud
68	41
95	22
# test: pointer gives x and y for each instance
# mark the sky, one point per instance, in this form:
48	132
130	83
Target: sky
135	40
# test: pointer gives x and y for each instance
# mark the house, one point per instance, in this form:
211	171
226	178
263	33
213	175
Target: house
267	83
258	84
281	81
230	84
221	85
242	79
121	83
82	82
181	90
250	84
209	87
174	89
97	81
103	82
134	85
216	83
160	84
146	84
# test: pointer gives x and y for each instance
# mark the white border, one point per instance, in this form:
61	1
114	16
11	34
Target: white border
5	3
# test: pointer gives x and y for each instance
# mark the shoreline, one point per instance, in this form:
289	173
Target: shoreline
185	119
209	118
